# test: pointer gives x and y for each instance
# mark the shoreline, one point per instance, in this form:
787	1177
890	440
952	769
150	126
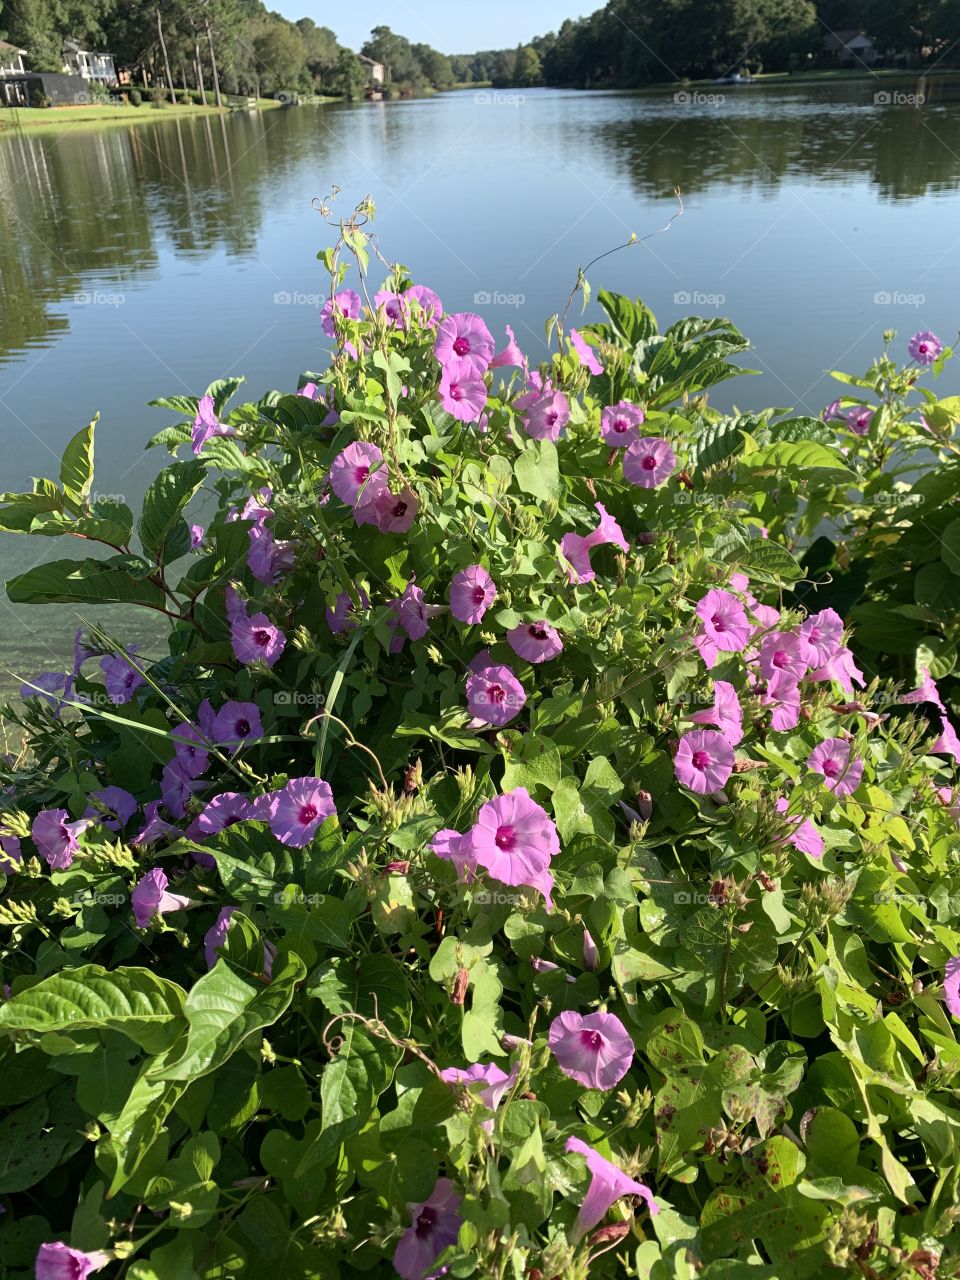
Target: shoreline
15	121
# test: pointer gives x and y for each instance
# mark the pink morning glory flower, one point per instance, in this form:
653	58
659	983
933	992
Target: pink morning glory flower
783	694
514	839
704	761
464	346
295	811
472	592
951	985
176	789
925	347
927	692
236	723
832	760
591	952
340	617
59	1262
620	426
154	827
463	395
256	639
576	549
726	712
494	695
216	935
345	305
648	462
841	668
951	801
608	1184
493	1081
453	847
535	641
150	898
726	626
56	837
206	424
413	613
511	356
113	807
803	834
393	306
585	352
858	419
832	411
268	558
435	1225
428	304
197	537
223	811
11	855
823	631
784	653
355	471
547	416
948	744
596	1050
190	750
121	677
395	513
309	391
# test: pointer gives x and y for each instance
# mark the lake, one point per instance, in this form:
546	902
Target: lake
145	261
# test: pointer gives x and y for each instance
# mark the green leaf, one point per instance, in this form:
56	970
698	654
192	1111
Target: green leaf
86	582
766	561
164	504
76	466
538	471
224	1008
147	1009
950	547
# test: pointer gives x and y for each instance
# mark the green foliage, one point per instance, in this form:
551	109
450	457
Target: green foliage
200	1095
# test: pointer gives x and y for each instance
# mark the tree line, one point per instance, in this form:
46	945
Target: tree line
634	42
217	46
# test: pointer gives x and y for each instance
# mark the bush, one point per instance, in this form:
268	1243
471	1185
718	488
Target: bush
498	871
158	96
134	97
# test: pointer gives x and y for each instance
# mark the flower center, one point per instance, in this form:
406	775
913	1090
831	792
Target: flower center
426	1220
261	639
591	1040
400	509
461	346
537	633
649	462
479	595
781	658
700	759
243	728
620	424
360	473
832	768
456	391
505	837
306	815
718	622
497	694
552	417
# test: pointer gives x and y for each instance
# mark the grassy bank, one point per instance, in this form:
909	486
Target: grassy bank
72	119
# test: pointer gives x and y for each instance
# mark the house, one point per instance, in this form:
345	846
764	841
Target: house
849	49
11	60
376	72
12	90
91	66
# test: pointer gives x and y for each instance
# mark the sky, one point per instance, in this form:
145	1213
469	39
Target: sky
453	26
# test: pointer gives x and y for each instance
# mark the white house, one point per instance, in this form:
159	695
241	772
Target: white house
84	62
11	59
850	48
376	71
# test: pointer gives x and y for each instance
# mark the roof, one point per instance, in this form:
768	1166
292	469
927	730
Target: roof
844	39
370	62
5	45
74	46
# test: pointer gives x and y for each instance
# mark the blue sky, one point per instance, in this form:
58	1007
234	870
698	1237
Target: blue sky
454	26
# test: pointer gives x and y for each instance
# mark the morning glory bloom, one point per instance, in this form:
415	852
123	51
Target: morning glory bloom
463	395
513	839
413	613
47	686
354	471
345	305
925	347
121	677
113	807
176	788
951	985
648	462
493	1080
803	834
511	356
704	761
783	694
464	345
392	305
59	1262
823	631
584	351
494	695
56	837
216	935
840	773
154	827
608	1184
726	712
224	810
296	811
339	618
620	425
596	1050
726	627
576	548
547	416
235	724
428	304
11	855
206	424
395	513
435	1227
535	641
269	558
150	898
472	592
859	419
783	652
256	639
189	750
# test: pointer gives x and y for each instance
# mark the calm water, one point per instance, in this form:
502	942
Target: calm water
147	261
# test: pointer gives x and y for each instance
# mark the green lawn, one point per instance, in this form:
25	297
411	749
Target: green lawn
69	119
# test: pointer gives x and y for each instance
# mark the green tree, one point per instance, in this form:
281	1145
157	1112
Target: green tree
348	78
32	25
528	69
436	67
280	55
396	53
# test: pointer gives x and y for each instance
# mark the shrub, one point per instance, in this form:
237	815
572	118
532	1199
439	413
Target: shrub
498	871
134	97
158	96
